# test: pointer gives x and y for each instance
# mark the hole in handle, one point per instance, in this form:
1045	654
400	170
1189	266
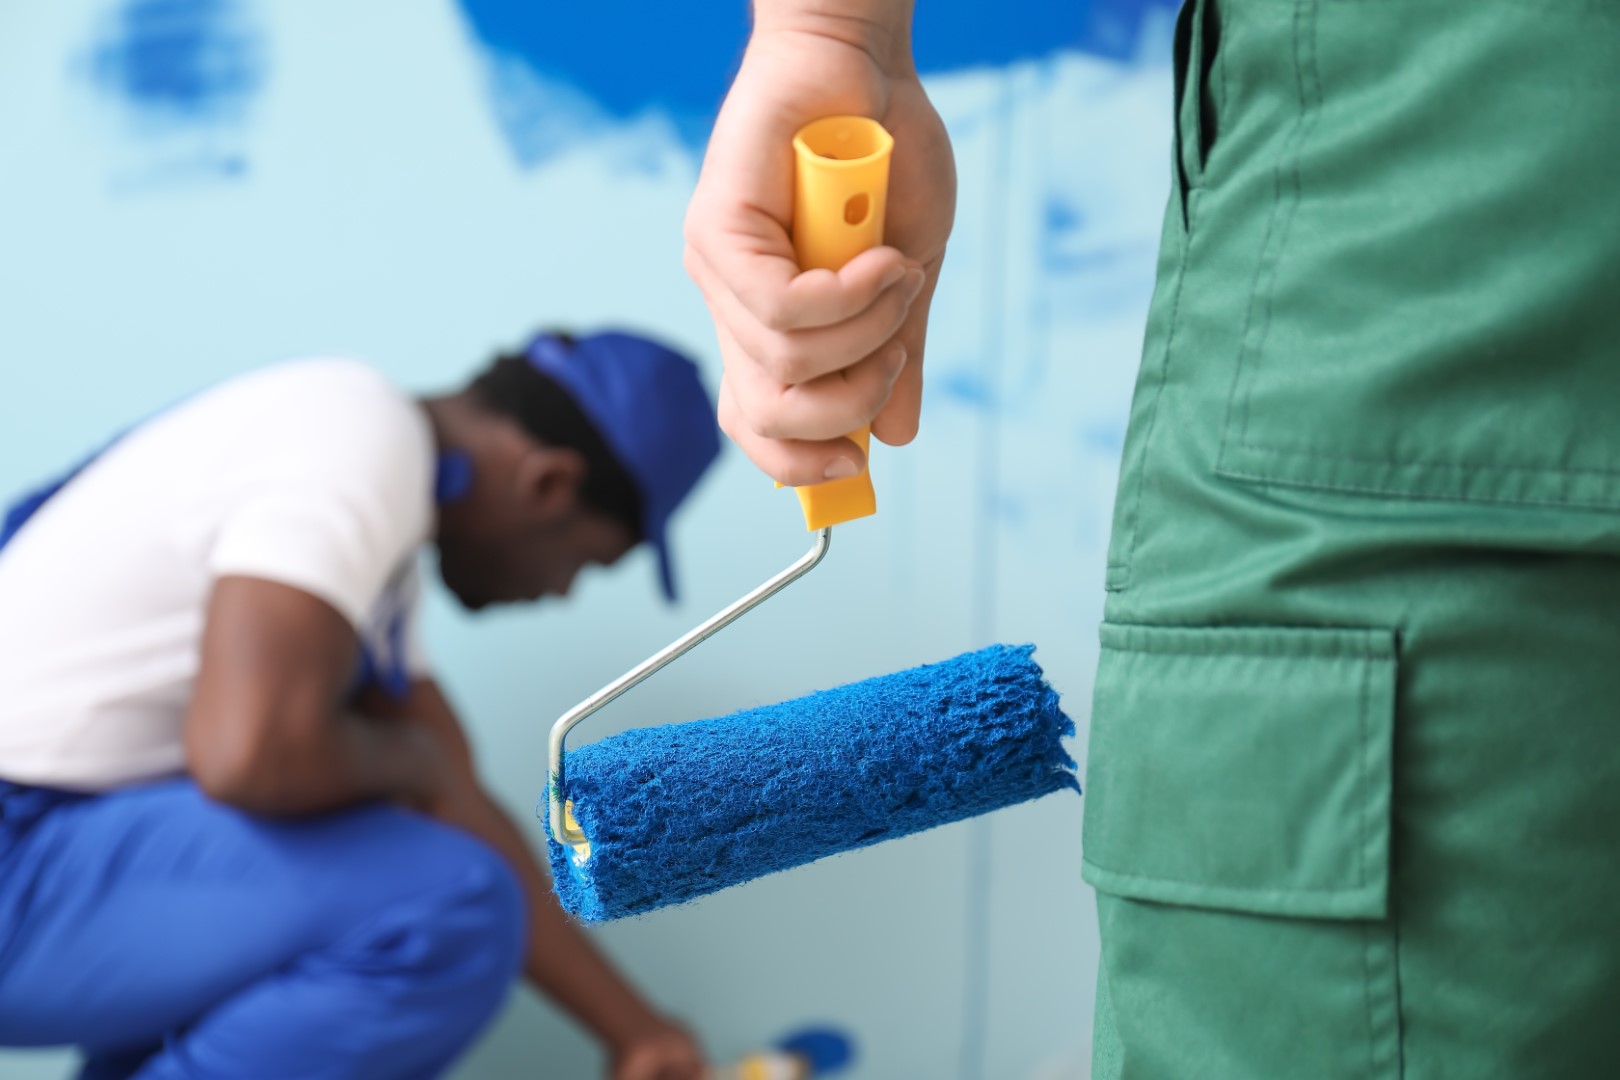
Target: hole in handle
856	209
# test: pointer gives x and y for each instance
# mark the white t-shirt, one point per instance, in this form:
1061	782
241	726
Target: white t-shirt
315	473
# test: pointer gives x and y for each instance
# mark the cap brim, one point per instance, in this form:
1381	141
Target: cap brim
666	564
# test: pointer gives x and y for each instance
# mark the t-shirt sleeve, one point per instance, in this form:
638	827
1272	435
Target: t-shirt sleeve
328	545
344	504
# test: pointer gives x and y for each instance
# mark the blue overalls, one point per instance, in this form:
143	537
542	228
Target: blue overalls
170	936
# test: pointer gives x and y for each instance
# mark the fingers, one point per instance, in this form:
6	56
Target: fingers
897	422
823	408
823	321
795	462
788	397
822	298
673	1057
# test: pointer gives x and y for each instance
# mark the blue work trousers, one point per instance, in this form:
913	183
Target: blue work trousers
169	936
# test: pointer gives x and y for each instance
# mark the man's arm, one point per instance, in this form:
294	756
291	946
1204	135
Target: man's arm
271	730
267	729
561	961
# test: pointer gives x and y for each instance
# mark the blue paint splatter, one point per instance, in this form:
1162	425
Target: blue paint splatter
1061	216
181	62
1106	437
965	387
1011	510
678	59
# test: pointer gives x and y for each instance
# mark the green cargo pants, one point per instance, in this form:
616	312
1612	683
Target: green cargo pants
1354	776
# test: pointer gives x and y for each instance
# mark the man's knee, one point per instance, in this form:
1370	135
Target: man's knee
496	910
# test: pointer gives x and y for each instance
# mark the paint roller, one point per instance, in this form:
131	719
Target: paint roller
663	815
804	1055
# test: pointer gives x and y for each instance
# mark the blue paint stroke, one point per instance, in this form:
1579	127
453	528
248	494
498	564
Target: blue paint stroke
1061	218
678	59
559	72
1010	510
1104	437
1065	248
1117	270
181	62
964	386
951	35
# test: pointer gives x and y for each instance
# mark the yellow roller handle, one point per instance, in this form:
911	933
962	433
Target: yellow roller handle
840	192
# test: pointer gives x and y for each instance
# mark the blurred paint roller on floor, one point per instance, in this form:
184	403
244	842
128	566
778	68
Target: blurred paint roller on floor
663	815
804	1055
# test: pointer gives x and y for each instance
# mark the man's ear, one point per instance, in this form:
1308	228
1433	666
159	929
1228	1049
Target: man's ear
549	478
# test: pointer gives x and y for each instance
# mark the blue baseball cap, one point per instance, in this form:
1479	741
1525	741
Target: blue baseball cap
649	405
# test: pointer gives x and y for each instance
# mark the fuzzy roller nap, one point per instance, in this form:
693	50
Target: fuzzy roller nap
675	812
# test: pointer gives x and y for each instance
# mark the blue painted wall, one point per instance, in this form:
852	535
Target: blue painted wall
678	58
184	61
195	187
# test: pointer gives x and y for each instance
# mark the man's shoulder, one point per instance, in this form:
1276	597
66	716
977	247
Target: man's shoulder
327	399
344	382
326	423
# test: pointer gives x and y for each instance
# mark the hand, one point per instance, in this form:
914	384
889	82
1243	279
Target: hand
446	785
809	357
661	1051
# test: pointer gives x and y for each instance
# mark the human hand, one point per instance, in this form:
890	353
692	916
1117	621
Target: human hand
810	357
443	784
659	1051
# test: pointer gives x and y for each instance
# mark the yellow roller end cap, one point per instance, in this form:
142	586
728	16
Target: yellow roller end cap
582	850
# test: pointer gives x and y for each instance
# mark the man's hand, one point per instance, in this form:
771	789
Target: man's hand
268	728
662	1051
809	357
561	960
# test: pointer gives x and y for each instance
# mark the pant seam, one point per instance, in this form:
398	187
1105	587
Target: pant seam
1124	565
1287	185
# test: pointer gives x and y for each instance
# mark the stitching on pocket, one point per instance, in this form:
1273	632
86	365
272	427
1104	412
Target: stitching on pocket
1419	463
1362	773
1200	640
1255	654
1367	997
1278	224
1423	496
1381	973
1278	894
1126	559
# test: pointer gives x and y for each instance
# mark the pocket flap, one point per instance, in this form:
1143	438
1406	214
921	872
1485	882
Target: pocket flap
1246	769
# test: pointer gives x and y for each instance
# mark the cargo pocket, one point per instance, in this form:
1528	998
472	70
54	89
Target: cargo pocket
1433	314
1237	831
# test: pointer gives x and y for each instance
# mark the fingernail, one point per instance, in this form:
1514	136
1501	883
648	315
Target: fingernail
894	360
893	277
914	283
841	469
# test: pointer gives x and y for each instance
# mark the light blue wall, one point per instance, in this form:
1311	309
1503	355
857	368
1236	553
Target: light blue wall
353	177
